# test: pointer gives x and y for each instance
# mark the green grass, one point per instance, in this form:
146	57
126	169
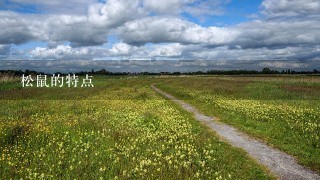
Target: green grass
282	111
120	129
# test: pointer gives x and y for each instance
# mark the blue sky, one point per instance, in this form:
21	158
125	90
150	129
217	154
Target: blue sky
162	30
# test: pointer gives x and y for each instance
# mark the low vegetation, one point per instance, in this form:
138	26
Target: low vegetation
120	129
282	111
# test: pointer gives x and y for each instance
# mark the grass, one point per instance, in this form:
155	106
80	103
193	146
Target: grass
282	111
8	82
120	129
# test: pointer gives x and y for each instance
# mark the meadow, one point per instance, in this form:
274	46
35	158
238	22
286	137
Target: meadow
121	129
283	111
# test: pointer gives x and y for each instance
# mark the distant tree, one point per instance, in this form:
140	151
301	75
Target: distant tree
103	71
27	72
266	71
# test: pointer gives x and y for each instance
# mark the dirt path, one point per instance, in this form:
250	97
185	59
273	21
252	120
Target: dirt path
279	163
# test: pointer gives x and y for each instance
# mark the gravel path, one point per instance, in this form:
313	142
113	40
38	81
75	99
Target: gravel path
279	163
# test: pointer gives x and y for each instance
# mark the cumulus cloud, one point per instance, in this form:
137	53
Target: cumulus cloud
76	30
93	28
201	9
225	53
14	29
169	50
290	8
55	7
17	29
115	12
277	33
166	6
61	52
155	66
121	49
170	29
286	29
196	8
283	65
88	29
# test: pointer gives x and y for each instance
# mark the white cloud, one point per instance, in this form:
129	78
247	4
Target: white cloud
114	12
169	50
61	52
277	33
207	8
166	6
14	29
121	49
19	29
289	29
174	51
196	8
77	30
283	65
284	53
54	6
289	8
80	30
169	29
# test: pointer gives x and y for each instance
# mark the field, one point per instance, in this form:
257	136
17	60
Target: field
282	111
121	129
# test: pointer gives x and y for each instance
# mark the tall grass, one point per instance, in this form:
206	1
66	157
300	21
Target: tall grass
8	78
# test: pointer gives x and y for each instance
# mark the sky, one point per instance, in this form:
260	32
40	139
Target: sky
214	30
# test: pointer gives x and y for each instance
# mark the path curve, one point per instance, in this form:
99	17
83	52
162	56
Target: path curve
279	163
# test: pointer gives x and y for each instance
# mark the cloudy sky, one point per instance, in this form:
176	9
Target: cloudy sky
160	30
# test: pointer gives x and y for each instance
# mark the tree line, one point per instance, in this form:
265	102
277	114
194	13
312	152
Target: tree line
210	72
